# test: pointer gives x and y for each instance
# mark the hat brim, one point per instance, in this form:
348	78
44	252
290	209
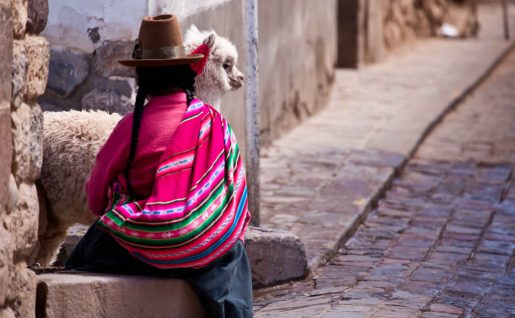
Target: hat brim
193	58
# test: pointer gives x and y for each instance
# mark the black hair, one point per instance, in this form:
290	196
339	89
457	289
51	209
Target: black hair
156	81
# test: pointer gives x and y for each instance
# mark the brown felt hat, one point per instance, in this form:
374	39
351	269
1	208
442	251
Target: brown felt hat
160	44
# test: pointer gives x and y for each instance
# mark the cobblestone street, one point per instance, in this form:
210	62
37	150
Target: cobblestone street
441	241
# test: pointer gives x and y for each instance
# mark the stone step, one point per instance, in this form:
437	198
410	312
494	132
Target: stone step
84	295
275	256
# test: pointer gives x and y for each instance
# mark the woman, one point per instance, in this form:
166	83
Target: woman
169	185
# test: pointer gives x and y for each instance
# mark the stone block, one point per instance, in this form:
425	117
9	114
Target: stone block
6	50
392	34
22	222
22	290
37	16
20	142
19	17
71	294
275	256
12	194
125	86
423	24
107	100
7	313
67	70
107	56
6	258
19	72
38	54
6	153
463	16
27	132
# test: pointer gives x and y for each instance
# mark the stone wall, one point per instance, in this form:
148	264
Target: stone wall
6	248
89	77
297	45
405	19
24	65
369	28
297	55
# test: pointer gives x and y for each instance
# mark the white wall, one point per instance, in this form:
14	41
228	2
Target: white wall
69	20
181	8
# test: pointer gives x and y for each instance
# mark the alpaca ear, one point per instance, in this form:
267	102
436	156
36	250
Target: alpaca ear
210	41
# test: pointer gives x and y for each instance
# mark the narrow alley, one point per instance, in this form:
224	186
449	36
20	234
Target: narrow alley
440	243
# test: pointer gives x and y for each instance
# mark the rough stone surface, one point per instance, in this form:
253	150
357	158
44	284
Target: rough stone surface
6	258
405	19
93	295
19	72
7	313
12	198
67	70
21	142
23	69
6	50
275	256
22	290
107	56
5	154
22	222
226	18
369	28
27	131
19	17
107	100
37	16
38	54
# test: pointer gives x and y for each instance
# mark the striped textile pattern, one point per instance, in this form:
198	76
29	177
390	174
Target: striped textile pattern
198	206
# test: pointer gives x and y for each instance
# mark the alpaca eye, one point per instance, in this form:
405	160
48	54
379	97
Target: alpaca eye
226	66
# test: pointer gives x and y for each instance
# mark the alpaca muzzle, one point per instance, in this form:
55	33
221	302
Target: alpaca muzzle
237	79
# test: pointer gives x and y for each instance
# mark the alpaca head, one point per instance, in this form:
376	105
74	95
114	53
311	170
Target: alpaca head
220	74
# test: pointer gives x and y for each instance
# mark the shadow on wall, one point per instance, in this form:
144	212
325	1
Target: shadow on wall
297	56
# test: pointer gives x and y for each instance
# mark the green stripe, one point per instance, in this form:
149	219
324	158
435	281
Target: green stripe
171	241
233	156
175	226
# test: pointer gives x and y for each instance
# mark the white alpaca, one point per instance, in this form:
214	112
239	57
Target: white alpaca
221	74
72	139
